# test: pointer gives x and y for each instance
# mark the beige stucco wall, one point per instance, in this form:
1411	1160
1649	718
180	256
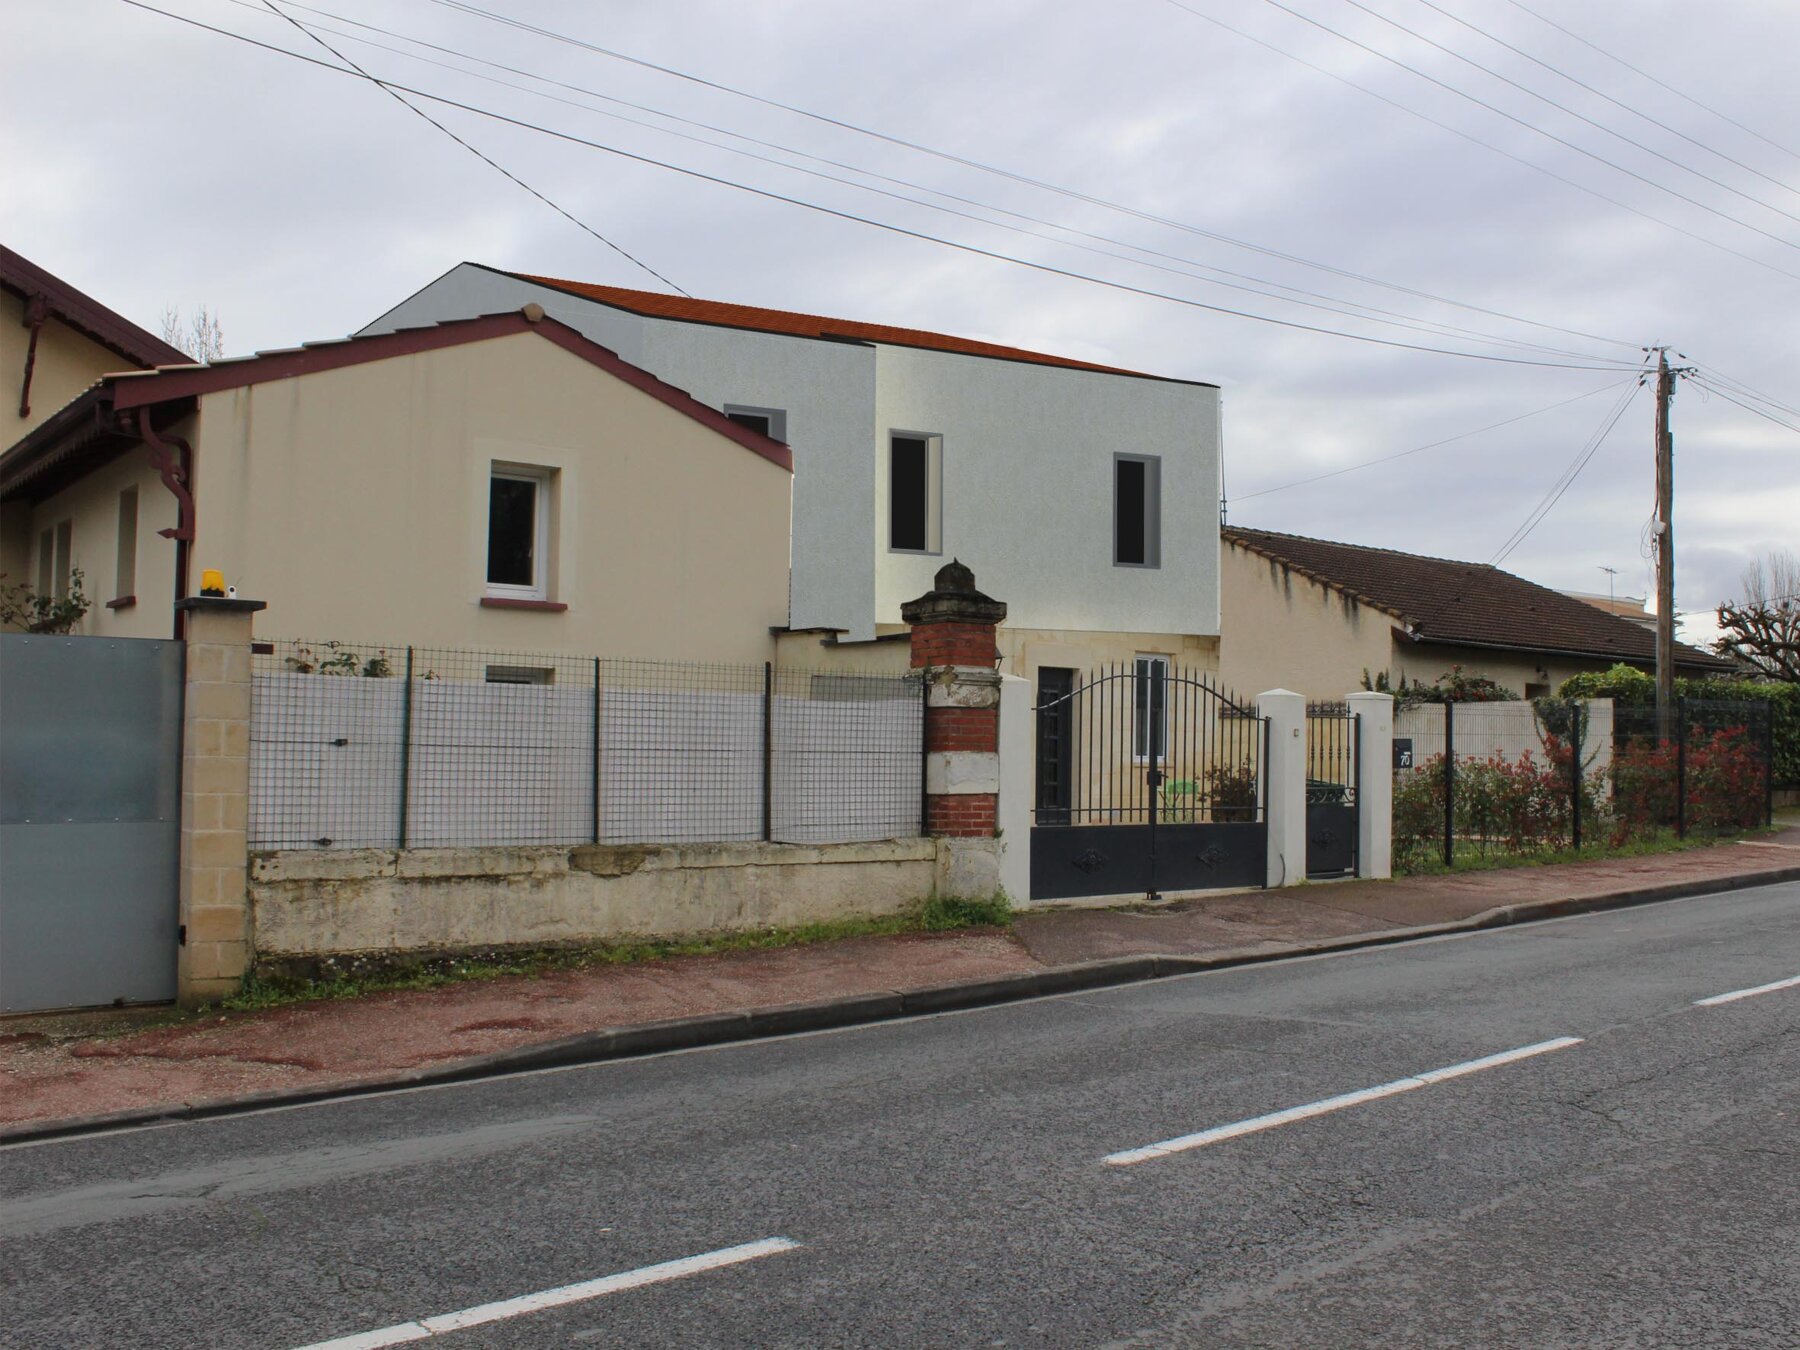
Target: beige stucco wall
1424	662
67	363
91	506
354	502
334	903
1281	630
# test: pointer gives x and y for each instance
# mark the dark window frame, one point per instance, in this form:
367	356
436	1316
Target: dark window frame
932	534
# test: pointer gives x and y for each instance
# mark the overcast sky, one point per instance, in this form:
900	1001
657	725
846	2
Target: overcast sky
152	164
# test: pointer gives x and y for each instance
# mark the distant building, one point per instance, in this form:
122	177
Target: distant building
1632	607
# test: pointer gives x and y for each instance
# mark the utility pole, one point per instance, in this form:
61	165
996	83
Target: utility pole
1665	550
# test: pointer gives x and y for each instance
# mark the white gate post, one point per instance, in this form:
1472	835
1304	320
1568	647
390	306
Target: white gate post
1286	794
1374	714
1018	780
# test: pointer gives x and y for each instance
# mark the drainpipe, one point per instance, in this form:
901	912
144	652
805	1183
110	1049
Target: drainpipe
37	309
173	459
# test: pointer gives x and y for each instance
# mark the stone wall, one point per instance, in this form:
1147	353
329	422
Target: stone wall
308	903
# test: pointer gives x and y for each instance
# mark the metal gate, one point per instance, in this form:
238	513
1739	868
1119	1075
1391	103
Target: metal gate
90	820
1333	758
1148	778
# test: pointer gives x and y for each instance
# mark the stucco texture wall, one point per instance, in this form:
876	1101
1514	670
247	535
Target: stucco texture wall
67	363
1027	498
1281	630
354	502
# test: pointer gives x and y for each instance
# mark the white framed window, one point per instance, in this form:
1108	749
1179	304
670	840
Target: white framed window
518	547
1137	510
125	568
915	492
1149	708
770	422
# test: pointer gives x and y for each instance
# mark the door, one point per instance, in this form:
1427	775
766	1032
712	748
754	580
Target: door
90	820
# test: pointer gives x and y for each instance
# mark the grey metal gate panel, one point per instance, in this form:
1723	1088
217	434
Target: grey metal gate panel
90	820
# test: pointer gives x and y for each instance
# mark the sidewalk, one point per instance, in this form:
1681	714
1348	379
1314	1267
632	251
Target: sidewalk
79	1065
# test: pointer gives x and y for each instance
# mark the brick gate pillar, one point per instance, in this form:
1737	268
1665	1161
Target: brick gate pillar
953	647
215	800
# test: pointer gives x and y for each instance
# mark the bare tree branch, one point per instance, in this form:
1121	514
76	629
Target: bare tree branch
1762	630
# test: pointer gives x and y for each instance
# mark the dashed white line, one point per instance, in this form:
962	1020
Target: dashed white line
1220	1133
426	1327
1736	994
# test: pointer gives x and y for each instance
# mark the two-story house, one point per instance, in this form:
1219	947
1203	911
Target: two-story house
1085	497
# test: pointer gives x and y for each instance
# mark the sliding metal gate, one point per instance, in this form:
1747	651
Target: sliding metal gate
1149	778
90	820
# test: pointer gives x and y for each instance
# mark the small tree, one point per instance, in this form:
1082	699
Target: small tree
199	336
23	608
1762	630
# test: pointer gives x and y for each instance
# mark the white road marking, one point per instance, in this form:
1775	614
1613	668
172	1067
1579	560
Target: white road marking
553	1298
1736	994
1219	1133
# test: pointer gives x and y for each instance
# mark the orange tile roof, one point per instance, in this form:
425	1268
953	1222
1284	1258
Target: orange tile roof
654	304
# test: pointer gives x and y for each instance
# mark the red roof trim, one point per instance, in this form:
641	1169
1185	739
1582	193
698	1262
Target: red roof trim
85	314
788	323
136	391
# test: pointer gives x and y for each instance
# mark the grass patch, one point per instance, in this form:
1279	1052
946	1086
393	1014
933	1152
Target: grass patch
1469	860
355	977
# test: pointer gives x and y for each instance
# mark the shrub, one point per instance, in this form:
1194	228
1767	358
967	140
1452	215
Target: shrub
1628	685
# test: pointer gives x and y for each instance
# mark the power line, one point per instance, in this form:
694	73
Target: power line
1522	122
1564	482
484	158
1330	304
1420	449
1601	93
1073	194
1723	117
1766	416
1476	140
1563	108
891	228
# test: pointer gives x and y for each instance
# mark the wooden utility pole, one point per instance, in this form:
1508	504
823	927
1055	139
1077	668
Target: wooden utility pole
1665	551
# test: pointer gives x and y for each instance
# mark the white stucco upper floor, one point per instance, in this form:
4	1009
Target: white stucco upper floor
1017	455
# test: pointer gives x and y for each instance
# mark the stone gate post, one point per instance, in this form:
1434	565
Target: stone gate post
1286	793
1374	715
215	949
953	648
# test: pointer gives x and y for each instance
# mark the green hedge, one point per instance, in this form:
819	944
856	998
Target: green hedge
1626	684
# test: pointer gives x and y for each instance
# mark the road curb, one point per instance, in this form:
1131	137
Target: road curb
688	1033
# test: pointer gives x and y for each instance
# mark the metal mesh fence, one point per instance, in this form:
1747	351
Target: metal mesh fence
1519	778
359	745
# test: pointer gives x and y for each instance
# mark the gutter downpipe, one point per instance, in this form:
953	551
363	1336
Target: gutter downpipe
178	476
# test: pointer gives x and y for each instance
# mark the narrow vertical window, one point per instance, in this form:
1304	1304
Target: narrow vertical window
915	474
1137	511
518	532
125	571
65	548
1149	723
46	562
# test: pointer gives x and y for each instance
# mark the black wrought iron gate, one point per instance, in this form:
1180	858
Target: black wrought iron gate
1149	778
1333	758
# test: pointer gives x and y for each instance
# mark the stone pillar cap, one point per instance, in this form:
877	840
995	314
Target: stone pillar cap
219	604
953	598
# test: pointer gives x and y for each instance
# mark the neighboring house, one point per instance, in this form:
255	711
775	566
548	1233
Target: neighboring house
1629	607
54	343
500	483
1316	616
1084	497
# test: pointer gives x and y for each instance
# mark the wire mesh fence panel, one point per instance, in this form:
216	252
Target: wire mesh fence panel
1706	768
356	745
500	752
327	732
681	752
847	764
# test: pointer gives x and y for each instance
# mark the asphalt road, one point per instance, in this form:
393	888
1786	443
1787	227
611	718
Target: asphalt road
943	1178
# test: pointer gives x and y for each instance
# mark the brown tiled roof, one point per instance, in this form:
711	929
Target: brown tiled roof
1441	600
84	313
655	305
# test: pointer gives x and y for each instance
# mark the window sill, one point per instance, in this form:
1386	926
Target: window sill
507	602
123	602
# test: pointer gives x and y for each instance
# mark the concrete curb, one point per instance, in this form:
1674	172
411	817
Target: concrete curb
688	1033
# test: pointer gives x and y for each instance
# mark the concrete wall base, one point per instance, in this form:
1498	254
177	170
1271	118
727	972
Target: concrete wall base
307	903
